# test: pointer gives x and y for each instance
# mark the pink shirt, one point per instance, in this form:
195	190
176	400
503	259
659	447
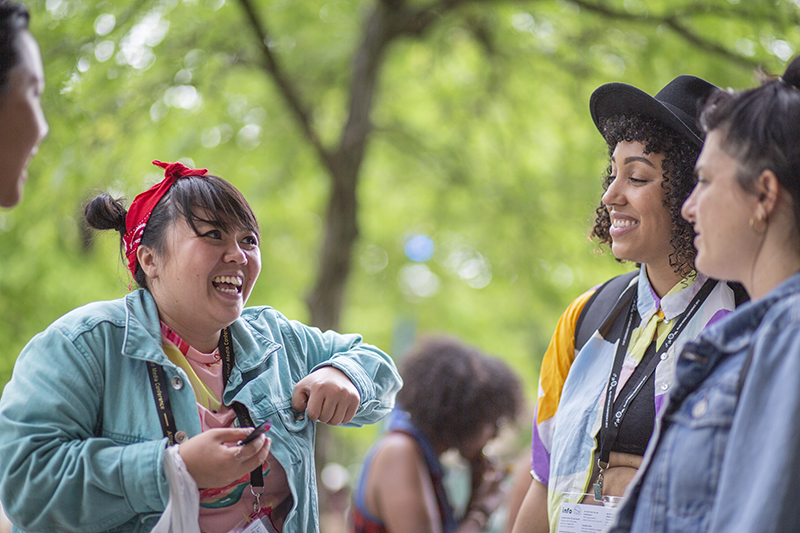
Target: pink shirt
226	508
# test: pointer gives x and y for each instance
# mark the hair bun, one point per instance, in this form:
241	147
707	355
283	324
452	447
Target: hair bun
104	212
792	74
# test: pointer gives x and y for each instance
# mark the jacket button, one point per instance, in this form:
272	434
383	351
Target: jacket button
181	437
700	408
177	383
299	417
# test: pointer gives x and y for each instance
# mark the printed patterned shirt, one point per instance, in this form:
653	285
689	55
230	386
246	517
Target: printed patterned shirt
572	385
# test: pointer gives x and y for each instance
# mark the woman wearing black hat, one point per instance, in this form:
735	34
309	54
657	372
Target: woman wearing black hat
636	323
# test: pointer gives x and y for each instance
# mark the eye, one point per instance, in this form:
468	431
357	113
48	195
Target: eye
636	180
213	234
250	240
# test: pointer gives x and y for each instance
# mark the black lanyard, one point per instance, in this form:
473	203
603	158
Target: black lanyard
610	426
158	380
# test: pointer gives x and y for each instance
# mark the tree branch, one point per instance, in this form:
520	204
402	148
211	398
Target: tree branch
673	22
709	46
292	96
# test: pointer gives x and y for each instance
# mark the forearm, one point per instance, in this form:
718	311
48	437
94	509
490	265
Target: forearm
532	516
83	486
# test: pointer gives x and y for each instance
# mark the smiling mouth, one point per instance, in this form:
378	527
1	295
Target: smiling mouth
228	284
623	223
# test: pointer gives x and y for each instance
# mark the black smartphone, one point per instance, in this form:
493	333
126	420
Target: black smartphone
256	432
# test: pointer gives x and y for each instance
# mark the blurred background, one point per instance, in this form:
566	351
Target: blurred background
416	165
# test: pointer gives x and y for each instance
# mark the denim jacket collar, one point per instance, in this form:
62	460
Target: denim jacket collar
143	338
732	335
735	333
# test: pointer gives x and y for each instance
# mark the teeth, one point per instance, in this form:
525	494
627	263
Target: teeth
233	280
622	223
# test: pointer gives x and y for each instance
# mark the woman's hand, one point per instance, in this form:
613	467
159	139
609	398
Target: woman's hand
214	459
487	492
328	395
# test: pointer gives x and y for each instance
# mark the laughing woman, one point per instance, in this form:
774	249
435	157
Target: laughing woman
727	455
96	400
625	364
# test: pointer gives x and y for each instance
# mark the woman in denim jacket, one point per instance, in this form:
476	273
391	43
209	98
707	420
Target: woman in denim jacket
727	455
96	399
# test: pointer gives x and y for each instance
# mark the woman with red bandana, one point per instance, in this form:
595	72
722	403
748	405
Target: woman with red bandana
97	400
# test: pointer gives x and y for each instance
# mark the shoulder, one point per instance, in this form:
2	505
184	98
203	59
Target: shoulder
89	317
397	455
574	309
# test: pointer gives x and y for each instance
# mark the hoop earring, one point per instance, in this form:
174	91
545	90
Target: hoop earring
756	219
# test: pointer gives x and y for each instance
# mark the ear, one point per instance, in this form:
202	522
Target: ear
147	260
768	189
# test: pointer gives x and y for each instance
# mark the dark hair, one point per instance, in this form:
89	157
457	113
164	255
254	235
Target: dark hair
451	390
680	156
188	198
14	19
761	130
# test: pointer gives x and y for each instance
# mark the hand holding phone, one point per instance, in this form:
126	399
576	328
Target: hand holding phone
256	432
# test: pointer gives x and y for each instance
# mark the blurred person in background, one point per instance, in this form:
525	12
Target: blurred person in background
22	122
454	398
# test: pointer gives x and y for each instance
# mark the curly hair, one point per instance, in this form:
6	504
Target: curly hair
453	390
680	156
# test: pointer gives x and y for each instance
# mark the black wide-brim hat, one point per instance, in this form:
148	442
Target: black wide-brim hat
677	105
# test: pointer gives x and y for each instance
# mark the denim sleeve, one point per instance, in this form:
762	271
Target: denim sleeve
761	466
372	371
55	473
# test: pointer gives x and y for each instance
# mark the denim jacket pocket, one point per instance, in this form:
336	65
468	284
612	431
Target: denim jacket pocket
698	437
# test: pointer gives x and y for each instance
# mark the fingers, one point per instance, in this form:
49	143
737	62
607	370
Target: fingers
214	459
332	410
327	395
254	454
300	398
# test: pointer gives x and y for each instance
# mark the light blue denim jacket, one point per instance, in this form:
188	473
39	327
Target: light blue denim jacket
81	445
723	461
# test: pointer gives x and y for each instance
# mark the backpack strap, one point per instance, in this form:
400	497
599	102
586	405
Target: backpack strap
598	306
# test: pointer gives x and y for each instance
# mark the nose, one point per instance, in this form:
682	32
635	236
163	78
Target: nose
235	254
613	194
44	129
689	208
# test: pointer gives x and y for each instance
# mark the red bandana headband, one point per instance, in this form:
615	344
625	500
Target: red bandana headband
142	207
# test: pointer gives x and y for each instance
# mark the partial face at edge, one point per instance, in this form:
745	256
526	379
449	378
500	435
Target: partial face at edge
720	211
22	122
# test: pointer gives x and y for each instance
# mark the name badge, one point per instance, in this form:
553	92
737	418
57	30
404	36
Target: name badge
586	518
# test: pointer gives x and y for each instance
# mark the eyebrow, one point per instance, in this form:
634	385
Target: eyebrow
632	159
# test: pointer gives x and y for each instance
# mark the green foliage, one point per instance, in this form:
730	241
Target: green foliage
482	141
